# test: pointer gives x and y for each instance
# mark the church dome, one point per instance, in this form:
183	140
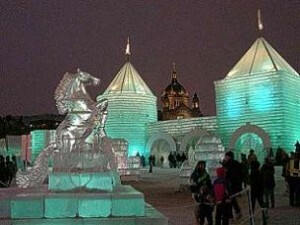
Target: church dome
175	88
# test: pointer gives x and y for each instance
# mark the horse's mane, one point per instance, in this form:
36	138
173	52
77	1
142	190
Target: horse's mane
61	92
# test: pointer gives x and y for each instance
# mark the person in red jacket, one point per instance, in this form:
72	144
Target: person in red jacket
221	188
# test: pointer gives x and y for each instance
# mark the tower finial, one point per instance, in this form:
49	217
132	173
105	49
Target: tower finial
127	50
259	21
174	76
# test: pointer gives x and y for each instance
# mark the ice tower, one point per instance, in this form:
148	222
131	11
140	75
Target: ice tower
131	105
262	89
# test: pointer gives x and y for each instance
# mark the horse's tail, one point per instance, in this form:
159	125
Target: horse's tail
36	175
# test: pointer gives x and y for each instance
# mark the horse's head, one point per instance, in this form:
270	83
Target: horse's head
71	90
87	78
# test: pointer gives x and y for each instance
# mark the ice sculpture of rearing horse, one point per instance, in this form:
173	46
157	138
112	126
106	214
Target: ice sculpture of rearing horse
82	126
84	119
73	100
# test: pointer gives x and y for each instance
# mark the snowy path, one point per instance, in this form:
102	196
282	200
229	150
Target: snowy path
159	190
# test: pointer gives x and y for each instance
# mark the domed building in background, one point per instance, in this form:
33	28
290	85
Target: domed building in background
175	101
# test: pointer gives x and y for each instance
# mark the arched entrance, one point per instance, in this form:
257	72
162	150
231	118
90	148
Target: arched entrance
250	137
161	144
191	138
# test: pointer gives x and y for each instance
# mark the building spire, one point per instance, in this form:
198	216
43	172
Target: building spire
259	21
127	50
174	73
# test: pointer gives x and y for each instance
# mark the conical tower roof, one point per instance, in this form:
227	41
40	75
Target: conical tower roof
128	80
260	58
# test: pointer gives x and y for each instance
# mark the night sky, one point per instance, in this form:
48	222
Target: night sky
43	39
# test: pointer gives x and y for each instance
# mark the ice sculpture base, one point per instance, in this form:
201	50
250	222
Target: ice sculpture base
152	216
106	181
123	201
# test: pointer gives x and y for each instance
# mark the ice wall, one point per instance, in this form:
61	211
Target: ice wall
39	140
268	100
129	114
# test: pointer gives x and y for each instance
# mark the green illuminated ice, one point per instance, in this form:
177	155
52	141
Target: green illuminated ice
261	89
131	106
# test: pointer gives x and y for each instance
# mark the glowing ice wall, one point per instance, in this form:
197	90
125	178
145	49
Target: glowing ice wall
14	145
291	105
268	100
127	118
39	140
181	126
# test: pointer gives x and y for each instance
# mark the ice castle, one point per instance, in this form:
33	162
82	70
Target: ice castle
257	107
131	105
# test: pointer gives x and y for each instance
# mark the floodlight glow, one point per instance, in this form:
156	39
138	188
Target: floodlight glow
131	106
263	90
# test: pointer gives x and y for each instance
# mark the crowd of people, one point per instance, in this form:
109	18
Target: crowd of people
8	170
176	159
231	177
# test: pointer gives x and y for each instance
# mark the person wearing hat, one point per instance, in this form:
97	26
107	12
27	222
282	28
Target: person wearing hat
221	189
199	178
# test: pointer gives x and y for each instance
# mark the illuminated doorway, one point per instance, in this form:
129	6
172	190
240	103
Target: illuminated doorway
161	148
249	141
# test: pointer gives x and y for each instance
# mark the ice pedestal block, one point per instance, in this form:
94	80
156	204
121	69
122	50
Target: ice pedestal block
61	206
83	205
27	206
152	216
128	202
106	181
124	201
70	221
95	206
5	207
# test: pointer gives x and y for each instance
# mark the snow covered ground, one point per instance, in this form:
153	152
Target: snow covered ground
160	190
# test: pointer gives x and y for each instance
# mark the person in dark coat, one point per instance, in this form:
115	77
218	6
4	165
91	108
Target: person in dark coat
199	178
153	160
3	172
10	168
170	159
206	207
183	157
178	159
245	170
256	184
251	157
293	179
234	175
151	163
268	172
162	159
143	161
